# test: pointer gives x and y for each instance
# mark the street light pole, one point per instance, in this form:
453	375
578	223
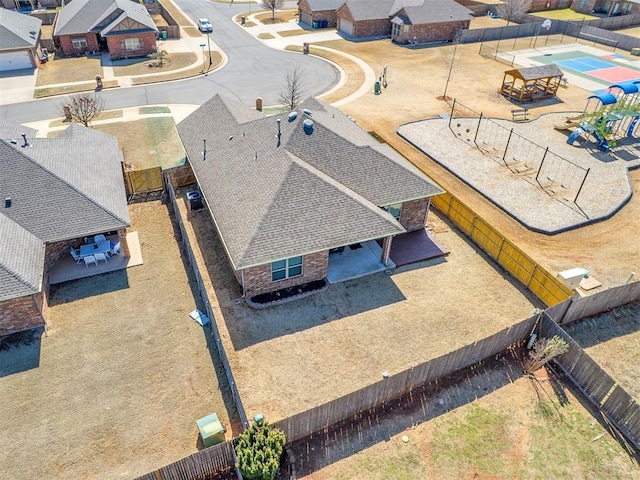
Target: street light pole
209	44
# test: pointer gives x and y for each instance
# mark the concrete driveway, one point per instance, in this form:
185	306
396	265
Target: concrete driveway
17	85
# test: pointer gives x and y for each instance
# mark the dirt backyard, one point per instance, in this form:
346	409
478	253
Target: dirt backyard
298	355
122	374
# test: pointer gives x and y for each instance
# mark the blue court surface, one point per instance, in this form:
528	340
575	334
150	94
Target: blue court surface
585	64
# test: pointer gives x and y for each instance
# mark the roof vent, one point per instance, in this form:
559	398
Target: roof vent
14	141
307	126
24	140
307	111
7	202
292	116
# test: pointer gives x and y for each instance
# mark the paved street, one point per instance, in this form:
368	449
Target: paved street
252	70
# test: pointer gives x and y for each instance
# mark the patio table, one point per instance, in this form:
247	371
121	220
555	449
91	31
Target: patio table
91	249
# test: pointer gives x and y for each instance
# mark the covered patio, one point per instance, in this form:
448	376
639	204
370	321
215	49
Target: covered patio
414	247
355	261
67	268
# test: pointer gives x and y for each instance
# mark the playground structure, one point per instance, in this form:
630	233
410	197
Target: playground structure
559	177
607	116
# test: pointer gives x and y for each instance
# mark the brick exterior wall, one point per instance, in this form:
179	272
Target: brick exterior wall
372	28
20	314
413	215
67	46
589	6
257	280
115	44
438	32
306	15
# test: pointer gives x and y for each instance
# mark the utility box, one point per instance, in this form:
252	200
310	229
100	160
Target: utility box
572	277
194	200
635	51
211	430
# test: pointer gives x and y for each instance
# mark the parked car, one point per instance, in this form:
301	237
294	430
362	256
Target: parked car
204	25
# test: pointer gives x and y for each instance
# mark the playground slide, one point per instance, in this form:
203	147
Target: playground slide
574	135
568	125
577	117
632	126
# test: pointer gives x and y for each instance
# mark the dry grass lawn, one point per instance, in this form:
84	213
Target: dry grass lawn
281	16
144	66
216	59
72	88
123	373
147	142
69	69
496	425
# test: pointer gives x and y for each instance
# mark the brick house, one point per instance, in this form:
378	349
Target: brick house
19	41
310	11
406	21
285	193
56	191
610	8
122	27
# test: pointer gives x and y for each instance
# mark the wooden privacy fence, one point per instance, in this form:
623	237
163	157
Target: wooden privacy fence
205	298
203	465
611	399
544	285
143	181
305	423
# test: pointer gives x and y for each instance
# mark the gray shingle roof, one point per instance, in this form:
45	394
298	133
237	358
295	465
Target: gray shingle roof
307	194
82	16
424	12
322	5
16	28
60	188
534	73
369	9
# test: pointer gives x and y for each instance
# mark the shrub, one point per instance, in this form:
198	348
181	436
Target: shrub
259	450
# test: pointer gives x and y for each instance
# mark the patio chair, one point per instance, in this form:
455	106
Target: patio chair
100	256
99	238
116	248
89	259
76	255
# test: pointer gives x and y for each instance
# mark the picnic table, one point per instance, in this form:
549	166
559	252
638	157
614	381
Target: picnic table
93	248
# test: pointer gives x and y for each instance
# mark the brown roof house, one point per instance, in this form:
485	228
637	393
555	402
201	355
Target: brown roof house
610	8
302	199
406	21
310	11
55	191
19	40
122	27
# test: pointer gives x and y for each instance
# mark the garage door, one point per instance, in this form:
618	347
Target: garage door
15	60
346	26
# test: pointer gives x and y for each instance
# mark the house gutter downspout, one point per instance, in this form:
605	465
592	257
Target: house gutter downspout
386	249
426	213
242	281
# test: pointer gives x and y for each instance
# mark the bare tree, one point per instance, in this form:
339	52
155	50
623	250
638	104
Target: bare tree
512	10
272	6
291	93
544	350
160	55
83	107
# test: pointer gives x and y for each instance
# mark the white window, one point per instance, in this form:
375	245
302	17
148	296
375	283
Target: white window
79	42
395	210
291	267
132	44
396	31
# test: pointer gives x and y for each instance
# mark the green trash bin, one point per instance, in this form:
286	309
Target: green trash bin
315	24
376	88
164	34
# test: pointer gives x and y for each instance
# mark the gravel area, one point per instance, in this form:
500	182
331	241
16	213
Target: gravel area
551	210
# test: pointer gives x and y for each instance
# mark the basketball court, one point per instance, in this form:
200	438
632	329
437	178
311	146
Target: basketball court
584	66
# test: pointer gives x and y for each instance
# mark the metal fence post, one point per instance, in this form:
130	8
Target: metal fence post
584	179
477	131
507	148
541	164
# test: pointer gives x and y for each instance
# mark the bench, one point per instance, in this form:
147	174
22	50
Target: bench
520	114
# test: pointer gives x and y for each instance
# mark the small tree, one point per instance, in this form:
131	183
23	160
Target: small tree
544	350
160	56
291	93
512	10
258	450
272	5
83	107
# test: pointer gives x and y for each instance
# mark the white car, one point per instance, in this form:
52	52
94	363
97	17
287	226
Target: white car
204	25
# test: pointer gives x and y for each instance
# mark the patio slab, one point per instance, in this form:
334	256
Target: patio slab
67	269
356	262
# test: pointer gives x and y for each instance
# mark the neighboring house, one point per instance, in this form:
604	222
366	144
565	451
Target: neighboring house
610	8
55	191
286	191
122	27
310	11
19	40
406	21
